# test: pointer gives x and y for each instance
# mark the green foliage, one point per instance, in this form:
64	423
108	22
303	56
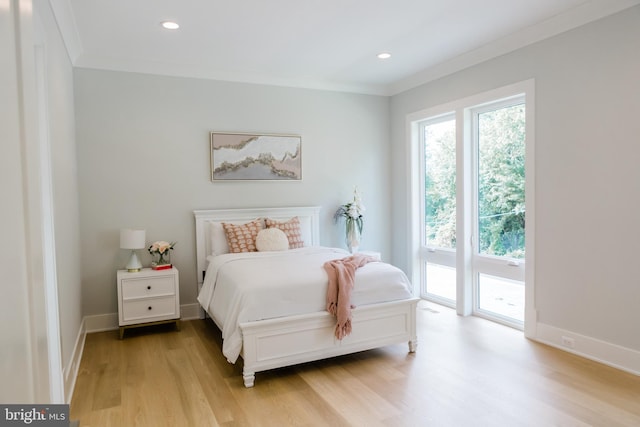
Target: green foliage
501	156
440	184
501	181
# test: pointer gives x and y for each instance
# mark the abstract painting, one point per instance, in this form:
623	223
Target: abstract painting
243	156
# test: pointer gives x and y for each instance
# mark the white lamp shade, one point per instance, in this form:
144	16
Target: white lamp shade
132	239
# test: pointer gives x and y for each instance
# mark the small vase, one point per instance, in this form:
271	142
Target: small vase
352	236
161	259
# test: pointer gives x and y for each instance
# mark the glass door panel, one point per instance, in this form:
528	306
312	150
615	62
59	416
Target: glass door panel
439	238
500	209
441	281
501	297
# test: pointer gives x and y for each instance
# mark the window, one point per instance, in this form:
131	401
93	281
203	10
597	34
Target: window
498	252
472	193
438	148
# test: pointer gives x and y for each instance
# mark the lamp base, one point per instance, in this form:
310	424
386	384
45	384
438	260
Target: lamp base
134	265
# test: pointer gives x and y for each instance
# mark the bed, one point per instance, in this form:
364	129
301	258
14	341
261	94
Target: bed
301	330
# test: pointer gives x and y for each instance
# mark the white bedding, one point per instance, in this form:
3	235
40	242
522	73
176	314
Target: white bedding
262	285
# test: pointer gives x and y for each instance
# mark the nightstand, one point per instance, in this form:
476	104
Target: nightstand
148	297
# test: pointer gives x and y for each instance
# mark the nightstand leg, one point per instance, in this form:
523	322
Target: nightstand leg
121	332
178	325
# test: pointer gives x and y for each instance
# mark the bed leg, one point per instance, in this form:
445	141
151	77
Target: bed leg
413	345
249	378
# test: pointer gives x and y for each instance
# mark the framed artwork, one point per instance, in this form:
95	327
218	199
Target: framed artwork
247	157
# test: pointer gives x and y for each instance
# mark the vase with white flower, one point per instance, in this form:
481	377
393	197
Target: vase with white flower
352	212
160	251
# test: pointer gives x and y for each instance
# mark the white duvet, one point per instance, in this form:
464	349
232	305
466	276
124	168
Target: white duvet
263	285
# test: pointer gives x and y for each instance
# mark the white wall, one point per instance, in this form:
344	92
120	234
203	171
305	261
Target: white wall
587	175
61	129
15	353
38	335
143	144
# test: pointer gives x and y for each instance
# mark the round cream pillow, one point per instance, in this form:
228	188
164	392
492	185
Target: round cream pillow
272	239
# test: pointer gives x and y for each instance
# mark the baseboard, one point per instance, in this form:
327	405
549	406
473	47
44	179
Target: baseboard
190	311
70	372
613	355
101	322
109	321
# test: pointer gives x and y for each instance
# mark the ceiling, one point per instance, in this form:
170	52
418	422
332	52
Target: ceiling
328	44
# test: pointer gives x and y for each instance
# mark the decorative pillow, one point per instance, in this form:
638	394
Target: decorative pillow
291	228
242	237
272	239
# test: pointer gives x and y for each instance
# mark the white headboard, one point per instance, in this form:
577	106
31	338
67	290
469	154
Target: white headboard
309	217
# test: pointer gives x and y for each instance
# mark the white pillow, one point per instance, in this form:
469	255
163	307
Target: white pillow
272	239
218	240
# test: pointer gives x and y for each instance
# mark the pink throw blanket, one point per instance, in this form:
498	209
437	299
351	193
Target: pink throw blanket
342	274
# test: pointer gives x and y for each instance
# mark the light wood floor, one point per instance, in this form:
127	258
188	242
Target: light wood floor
466	372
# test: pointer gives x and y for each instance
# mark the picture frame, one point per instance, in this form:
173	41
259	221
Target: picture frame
255	157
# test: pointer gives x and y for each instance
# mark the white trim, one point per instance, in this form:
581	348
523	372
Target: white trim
101	322
484	264
70	372
109	321
462	108
581	15
56	381
413	202
530	311
600	351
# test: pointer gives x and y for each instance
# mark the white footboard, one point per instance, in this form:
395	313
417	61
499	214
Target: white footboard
286	341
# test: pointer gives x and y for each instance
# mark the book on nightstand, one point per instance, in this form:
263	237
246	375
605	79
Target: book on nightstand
162	267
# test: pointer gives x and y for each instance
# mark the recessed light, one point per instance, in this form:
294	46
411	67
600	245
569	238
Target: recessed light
170	25
384	55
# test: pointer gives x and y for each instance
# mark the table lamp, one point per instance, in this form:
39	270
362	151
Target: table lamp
132	239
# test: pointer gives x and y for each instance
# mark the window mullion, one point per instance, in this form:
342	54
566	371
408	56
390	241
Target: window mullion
464	294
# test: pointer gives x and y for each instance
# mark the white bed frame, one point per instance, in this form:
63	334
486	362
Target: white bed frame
285	341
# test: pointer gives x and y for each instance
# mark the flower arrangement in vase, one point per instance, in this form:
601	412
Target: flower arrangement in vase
352	212
160	251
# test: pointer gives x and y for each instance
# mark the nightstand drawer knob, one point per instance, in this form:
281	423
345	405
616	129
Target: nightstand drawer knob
149	287
149	308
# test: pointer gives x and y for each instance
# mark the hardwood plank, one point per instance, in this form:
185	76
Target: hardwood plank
467	371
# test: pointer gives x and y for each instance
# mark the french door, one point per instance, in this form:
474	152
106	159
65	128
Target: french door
472	252
498	236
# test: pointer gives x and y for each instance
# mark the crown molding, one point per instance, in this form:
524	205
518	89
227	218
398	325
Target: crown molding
574	18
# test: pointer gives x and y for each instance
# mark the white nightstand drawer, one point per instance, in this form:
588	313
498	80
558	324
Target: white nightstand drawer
148	287
149	310
148	297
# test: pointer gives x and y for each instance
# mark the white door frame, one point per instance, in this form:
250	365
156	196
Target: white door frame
463	213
